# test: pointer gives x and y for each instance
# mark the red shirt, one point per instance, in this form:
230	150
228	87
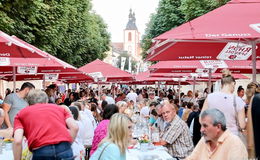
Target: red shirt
43	124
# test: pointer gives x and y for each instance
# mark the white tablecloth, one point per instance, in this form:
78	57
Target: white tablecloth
158	153
6	155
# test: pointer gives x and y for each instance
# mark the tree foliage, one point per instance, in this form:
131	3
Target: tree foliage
172	13
126	67
168	15
68	29
193	8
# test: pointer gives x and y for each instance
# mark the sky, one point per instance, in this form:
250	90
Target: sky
115	14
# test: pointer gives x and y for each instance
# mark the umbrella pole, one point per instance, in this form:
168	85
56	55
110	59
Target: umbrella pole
194	81
158	88
99	91
254	61
114	95
14	79
43	82
179	92
209	85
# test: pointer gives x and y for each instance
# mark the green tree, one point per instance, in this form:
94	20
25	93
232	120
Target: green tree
194	8
67	29
126	67
171	14
168	15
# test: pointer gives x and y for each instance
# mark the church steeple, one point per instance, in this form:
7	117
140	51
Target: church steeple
131	21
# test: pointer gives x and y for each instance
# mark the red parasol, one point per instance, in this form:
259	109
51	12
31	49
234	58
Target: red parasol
200	66
107	71
231	32
9	47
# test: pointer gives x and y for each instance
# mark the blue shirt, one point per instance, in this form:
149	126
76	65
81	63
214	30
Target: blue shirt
111	152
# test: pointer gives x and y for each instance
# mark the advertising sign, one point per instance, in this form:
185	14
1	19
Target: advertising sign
27	69
235	51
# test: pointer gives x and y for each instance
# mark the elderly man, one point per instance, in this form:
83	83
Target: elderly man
107	98
217	142
176	136
49	129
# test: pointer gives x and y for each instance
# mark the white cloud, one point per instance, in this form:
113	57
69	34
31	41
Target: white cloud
115	14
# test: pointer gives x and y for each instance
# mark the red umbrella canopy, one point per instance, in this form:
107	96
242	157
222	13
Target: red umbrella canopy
112	74
213	35
9	47
38	65
75	77
49	64
203	77
201	66
145	78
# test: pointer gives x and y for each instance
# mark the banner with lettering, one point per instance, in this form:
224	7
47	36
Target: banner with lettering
235	51
27	69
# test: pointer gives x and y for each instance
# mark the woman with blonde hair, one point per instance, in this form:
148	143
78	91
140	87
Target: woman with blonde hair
122	106
231	105
253	131
115	144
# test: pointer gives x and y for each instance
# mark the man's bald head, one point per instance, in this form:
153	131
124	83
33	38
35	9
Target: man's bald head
168	112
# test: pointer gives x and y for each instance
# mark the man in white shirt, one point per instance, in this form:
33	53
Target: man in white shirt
109	100
132	96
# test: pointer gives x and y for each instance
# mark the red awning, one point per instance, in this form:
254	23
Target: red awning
189	76
38	66
111	73
9	47
212	35
44	65
194	66
145	78
68	78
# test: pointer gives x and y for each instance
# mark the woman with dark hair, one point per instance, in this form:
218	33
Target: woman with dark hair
101	130
77	146
206	92
103	105
253	130
7	91
92	97
73	96
240	92
96	115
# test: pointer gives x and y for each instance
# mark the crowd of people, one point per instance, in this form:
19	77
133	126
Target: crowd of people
77	124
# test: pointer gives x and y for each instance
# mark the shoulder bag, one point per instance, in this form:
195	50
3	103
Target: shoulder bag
103	151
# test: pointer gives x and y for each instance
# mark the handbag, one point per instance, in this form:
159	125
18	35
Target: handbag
240	130
103	151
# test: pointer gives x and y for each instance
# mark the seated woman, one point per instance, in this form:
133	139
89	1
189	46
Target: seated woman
96	115
153	117
102	128
4	133
78	144
115	144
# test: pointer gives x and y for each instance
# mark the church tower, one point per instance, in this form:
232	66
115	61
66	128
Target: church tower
131	36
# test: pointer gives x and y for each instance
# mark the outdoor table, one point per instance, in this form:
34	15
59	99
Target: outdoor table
6	152
157	153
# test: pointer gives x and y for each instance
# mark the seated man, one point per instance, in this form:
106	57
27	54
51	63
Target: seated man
217	142
4	133
176	135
